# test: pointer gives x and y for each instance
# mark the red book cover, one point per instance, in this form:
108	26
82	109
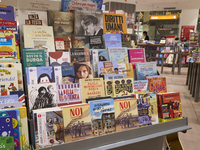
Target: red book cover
157	85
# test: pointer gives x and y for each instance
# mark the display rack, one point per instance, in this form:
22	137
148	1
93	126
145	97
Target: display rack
139	138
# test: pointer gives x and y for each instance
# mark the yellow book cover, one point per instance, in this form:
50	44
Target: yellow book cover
92	88
126	114
77	122
109	87
114	23
123	87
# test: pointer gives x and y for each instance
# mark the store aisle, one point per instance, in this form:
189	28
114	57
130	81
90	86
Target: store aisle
176	83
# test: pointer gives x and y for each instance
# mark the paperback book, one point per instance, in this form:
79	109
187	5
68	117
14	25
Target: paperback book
129	40
21	96
113	40
114	76
118	54
80	41
7	13
107	67
140	86
59	58
79	55
63	43
157	85
108	85
96	42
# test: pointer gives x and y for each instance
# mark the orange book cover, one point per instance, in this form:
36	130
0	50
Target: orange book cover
157	85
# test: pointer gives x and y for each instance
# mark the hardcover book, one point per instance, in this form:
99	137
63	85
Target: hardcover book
157	85
88	22
113	40
123	87
9	99
96	42
7	13
62	22
114	76
63	74
118	54
92	88
21	96
80	41
107	67
11	105
39	75
77	122
140	86
59	58
126	114
79	55
7	141
145	69
102	117
129	40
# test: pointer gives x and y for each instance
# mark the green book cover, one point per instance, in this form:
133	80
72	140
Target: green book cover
7	143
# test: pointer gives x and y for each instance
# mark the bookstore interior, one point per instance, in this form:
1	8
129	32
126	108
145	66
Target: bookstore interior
94	74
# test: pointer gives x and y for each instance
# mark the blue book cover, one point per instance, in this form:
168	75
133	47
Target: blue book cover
63	74
6	127
145	69
21	96
107	67
39	75
114	76
102	116
8	99
118	54
113	40
7	13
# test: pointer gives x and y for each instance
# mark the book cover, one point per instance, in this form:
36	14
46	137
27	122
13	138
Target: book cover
63	74
144	112
111	25
123	87
113	40
126	68
80	41
108	85
107	67
88	22
42	96
98	98
9	25
77	122
8	80
9	99
48	127
129	40
140	86
7	60
136	55
17	66
79	55
96	42
83	70
92	88
114	76
102	117
156	76
118	54
126	114
157	85
33	58
11	105
69	94
39	75
62	22
68	5
39	37
21	96
6	128
63	43
59	58
7	13
7	142
145	69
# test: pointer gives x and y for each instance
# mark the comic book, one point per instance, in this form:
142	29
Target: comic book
59	58
157	85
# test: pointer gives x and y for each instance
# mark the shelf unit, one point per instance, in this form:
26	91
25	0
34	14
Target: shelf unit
150	137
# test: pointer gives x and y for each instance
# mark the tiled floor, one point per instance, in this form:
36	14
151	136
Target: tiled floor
191	109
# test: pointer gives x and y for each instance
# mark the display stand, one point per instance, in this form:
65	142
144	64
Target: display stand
150	137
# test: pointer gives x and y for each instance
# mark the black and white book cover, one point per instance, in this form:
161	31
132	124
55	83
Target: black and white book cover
96	42
88	22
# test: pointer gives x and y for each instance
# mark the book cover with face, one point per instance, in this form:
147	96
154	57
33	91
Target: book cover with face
107	67
79	55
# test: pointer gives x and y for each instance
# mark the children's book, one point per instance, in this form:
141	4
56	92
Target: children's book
113	40
39	75
77	122
126	114
157	85
7	142
7	13
140	86
79	55
80	41
11	105
102	117
118	54
59	58
107	67
96	42
7	60
21	96
9	99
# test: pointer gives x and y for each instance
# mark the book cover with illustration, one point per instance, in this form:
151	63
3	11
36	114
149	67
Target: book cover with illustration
21	96
169	106
42	96
98	55
157	85
140	86
62	22
107	67
129	40
63	43
136	55
48	128
63	74
96	42
69	94
118	54
102	117
79	55
9	99
145	69
39	75
126	114
153	109
111	25
11	105
39	37
17	66
108	85
68	5
88	22
7	60
33	58
7	141
80	41
114	76
113	40
59	58
77	122
92	88
123	87
7	13
8	80
144	111
126	68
